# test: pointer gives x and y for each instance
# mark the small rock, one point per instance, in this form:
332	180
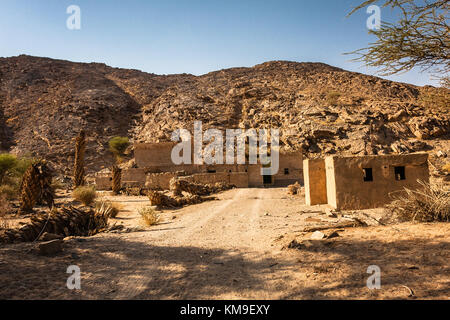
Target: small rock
50	247
330	213
441	154
318	235
46	236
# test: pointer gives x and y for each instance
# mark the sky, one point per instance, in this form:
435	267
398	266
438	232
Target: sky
192	36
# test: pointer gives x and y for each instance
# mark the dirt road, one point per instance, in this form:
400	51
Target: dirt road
232	248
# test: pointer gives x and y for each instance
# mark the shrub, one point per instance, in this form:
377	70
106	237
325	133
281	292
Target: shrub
118	145
7	163
428	204
446	168
57	185
111	208
11	192
149	216
5	206
22	165
85	194
333	97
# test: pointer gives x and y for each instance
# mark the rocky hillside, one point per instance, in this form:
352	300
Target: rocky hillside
320	109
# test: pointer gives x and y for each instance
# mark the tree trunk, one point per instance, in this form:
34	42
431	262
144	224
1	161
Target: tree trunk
80	147
116	179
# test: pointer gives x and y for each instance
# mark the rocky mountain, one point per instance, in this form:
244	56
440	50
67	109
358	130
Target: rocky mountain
319	108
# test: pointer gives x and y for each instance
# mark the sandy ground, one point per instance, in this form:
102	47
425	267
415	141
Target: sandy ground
235	248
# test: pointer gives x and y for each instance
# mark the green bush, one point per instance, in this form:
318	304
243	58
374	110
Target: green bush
7	163
85	194
23	163
118	145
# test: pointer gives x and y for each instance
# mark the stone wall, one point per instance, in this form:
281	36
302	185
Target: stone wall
103	182
290	170
160	181
153	154
238	179
369	181
133	177
255	179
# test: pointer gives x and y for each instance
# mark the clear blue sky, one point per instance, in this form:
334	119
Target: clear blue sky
190	36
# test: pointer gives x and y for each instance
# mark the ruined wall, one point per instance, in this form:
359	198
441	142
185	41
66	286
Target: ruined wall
153	154
238	179
315	182
291	169
103	182
189	169
133	177
255	179
160	181
350	191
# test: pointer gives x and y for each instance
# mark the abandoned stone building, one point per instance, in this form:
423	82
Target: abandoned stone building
154	169
352	183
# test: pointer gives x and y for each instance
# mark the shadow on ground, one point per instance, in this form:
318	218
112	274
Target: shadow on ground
116	268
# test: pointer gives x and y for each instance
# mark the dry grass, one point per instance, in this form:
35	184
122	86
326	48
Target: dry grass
5	208
332	98
294	189
85	195
9	191
112	209
430	203
446	168
4	223
149	216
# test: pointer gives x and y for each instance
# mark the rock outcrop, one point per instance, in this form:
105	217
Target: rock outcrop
320	109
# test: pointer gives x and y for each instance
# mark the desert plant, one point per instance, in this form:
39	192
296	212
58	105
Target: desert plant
29	189
109	208
80	147
7	163
57	185
116	179
118	145
5	206
64	221
9	191
333	98
149	216
419	38
446	168
429	203
85	194
294	189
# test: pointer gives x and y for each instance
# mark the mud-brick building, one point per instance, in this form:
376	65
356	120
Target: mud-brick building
363	182
154	169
